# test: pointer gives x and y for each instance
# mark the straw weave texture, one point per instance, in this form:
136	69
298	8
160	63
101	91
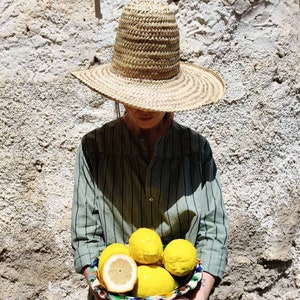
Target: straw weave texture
146	71
147	43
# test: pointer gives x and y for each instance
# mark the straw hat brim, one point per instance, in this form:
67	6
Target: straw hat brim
193	87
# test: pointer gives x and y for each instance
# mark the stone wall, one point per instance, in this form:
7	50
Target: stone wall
254	133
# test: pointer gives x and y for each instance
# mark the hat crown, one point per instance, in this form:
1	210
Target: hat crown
147	42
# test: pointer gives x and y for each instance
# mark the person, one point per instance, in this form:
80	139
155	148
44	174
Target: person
144	169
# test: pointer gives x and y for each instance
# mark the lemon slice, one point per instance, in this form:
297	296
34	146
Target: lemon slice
119	273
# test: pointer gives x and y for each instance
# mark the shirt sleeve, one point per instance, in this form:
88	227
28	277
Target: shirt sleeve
212	236
86	231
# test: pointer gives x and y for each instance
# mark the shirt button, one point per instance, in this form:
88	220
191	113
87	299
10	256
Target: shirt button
151	199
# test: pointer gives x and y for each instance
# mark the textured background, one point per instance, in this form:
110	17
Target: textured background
254	133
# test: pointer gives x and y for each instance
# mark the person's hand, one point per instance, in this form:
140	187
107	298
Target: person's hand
85	272
207	283
96	296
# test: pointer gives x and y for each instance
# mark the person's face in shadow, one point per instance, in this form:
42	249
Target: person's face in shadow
144	120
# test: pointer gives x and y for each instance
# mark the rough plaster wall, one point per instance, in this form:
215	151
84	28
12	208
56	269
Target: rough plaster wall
253	132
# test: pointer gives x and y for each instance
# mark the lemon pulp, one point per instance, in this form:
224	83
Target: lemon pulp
115	248
119	273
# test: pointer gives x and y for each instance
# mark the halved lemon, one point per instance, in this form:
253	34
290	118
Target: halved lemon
115	248
119	273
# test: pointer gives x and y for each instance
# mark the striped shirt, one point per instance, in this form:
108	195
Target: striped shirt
118	189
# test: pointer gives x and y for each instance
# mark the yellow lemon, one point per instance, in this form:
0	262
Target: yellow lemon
115	248
145	246
153	280
180	257
119	273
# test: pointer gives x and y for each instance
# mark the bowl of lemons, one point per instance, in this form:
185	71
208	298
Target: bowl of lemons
145	268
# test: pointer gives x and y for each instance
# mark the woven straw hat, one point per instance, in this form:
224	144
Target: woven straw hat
145	71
